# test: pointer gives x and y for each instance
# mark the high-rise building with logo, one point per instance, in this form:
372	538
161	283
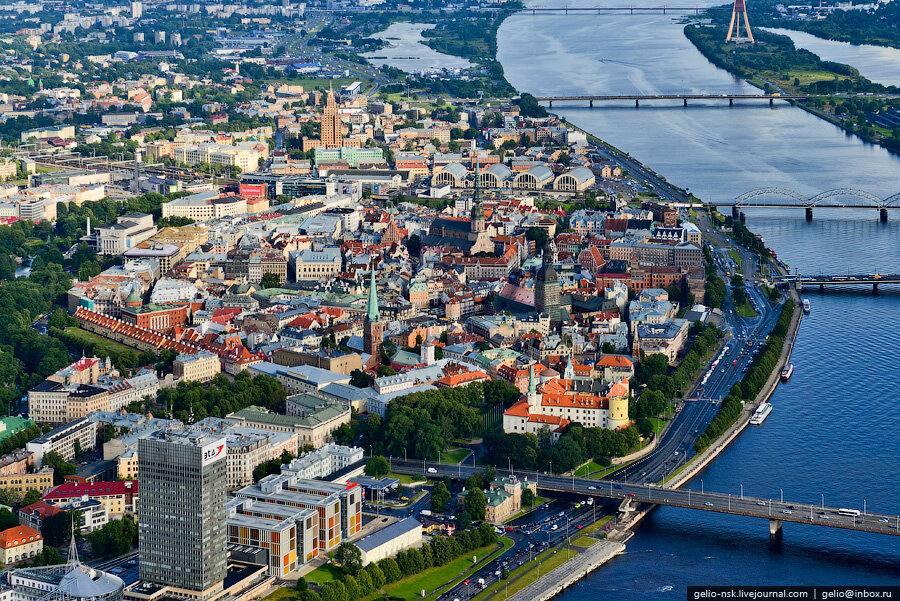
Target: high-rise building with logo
546	289
331	123
182	512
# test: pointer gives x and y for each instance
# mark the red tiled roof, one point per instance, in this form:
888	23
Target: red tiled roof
95	489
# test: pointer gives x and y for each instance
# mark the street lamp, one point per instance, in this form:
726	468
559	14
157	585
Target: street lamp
782	495
742	490
823	500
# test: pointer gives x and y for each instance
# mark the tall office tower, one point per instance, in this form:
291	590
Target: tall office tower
331	123
182	513
137	10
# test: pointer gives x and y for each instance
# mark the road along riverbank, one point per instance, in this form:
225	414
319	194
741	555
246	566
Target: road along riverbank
558	579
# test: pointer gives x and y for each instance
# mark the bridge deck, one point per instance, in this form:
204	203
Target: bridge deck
704	501
603	98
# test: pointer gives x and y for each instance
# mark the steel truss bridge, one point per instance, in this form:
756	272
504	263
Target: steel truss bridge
839	198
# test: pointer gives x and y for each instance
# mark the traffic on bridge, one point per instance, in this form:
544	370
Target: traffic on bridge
737	504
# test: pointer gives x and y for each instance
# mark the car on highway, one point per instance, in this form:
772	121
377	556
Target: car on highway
883	520
760	502
708	504
592	488
786	511
619	486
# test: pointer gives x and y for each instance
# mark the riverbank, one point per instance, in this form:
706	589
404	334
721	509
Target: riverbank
775	65
564	576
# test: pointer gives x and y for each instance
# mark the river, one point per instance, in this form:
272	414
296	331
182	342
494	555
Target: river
406	51
831	432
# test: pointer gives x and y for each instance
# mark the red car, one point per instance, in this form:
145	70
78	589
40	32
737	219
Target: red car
631	494
466	581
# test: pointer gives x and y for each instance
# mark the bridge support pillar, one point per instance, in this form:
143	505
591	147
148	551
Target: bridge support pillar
771	102
551	104
685	102
743	217
591	103
775	528
821	287
882	215
875	288
637	103
809	213
731	102
735	212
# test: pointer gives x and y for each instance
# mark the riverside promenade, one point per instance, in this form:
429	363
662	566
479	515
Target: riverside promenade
570	572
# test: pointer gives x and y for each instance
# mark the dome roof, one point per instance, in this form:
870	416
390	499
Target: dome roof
86	582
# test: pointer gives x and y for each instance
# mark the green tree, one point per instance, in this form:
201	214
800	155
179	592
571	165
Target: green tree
61	467
377	467
349	557
475	503
527	498
270	280
440	498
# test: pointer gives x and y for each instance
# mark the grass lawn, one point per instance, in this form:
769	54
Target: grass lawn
455	455
281	594
746	310
736	257
432	578
598	525
658	424
584	541
323	574
404	479
550	559
114	349
587	468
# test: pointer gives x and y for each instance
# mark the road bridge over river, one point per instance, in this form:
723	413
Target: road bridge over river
776	511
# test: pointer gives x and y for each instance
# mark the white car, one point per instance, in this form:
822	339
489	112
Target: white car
592	488
761	503
708	504
786	511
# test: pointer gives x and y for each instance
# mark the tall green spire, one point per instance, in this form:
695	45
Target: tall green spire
532	388
372	313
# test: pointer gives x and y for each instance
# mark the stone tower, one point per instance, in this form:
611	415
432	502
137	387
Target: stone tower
477	218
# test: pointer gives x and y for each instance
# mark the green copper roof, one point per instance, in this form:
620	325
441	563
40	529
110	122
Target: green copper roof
372	313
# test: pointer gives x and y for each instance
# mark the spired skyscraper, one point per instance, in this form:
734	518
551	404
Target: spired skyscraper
182	513
331	123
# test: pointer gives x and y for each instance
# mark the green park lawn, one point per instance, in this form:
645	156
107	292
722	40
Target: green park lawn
114	349
746	310
584	541
736	257
455	455
405	479
323	574
410	588
281	594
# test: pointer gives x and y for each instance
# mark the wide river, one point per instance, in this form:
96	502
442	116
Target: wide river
832	431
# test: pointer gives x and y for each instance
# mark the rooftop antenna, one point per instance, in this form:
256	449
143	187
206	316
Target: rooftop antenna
73	549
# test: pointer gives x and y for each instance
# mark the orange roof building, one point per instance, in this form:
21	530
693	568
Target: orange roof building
560	401
20	543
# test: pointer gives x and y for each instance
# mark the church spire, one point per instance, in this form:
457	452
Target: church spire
532	387
477	214
372	314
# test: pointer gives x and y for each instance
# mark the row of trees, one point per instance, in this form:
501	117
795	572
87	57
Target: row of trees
115	538
653	370
423	424
359	582
753	381
218	398
576	445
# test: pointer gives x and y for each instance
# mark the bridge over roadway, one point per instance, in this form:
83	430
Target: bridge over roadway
774	511
637	98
